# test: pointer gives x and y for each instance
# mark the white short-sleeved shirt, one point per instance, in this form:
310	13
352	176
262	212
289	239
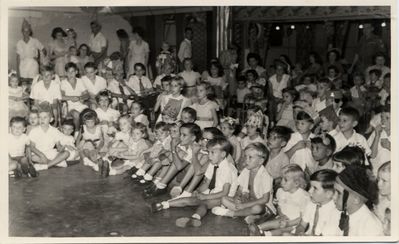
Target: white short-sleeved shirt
98	85
110	115
190	77
225	174
67	140
278	86
16	145
292	205
302	157
42	94
274	165
328	221
355	140
134	83
363	222
185	50
45	141
263	183
188	153
68	90
97	42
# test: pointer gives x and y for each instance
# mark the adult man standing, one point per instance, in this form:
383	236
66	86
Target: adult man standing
98	43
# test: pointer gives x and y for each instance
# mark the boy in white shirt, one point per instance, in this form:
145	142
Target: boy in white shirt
94	83
47	90
19	151
254	186
67	141
43	140
353	190
219	177
348	119
321	217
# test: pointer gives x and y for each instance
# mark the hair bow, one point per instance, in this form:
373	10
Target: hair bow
231	121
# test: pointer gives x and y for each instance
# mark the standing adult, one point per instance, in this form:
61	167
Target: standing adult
139	51
185	49
98	43
58	51
84	57
124	46
28	49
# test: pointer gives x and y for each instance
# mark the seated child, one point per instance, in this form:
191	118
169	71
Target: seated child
219	177
277	160
229	127
133	156
206	107
93	83
298	148
68	140
254	187
107	115
347	156
292	200
321	217
154	154
181	157
242	91
90	140
165	90
354	194
323	147
47	90
285	110
383	208
375	78
43	140
122	138
199	164
33	120
19	151
385	91
122	95
380	141
328	121
358	91
323	90
347	135
137	114
307	83
16	98
188	115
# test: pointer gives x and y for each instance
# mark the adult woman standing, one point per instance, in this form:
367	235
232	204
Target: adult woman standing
58	51
84	57
28	49
138	51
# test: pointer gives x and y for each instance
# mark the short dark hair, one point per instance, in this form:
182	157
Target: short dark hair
216	133
71	65
377	72
57	30
333	67
223	143
18	119
331	142
188	29
194	129
86	46
294	93
253	55
326	177
141	127
121	33
350	111
69	122
218	65
162	126
253	72
191	111
142	66
283	132
350	155
167	78
138	30
301	115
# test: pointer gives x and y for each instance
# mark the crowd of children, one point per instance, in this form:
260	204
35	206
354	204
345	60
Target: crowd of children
303	155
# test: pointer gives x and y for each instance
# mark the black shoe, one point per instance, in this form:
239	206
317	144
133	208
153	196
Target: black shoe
105	169
24	168
132	171
156	207
144	182
32	171
156	192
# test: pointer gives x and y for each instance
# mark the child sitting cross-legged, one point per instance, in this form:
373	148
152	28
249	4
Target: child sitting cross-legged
219	177
291	200
199	165
154	154
255	186
43	140
133	156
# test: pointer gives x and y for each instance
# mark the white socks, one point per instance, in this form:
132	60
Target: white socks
161	185
196	216
140	172
39	167
147	177
165	204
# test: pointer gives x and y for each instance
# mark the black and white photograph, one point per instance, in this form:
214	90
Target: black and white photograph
247	122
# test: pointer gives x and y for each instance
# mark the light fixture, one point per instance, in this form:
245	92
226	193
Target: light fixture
307	27
277	27
360	26
383	24
292	27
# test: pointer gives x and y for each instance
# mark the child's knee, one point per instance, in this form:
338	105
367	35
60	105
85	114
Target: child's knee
257	209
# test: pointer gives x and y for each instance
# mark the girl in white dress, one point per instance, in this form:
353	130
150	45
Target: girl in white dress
205	107
16	97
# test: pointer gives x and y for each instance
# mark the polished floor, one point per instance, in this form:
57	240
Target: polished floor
77	202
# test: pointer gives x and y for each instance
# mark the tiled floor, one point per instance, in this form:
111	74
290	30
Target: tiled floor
77	202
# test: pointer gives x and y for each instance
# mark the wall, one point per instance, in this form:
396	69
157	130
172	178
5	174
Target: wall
43	23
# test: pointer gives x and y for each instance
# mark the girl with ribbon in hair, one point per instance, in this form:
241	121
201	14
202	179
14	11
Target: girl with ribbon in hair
16	97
